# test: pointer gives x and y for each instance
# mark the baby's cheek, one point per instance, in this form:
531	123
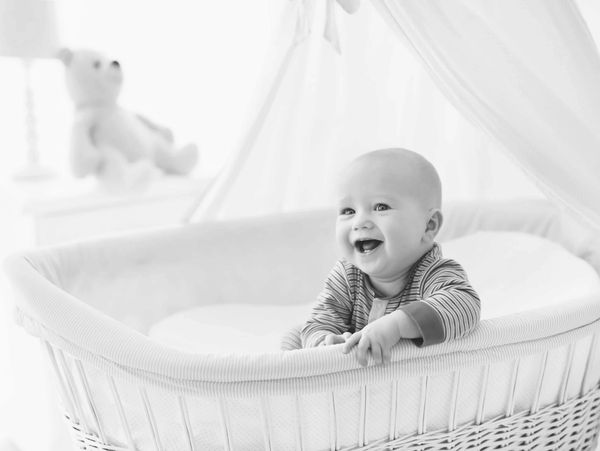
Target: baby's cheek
344	248
346	252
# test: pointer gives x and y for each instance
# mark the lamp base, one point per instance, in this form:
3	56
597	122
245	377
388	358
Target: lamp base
33	173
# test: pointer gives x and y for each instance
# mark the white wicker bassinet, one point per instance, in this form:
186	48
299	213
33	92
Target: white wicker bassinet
519	382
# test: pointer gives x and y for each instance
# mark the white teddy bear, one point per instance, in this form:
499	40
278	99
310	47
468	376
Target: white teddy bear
125	150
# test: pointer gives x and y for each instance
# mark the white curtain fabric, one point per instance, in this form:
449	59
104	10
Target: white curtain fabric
325	101
527	72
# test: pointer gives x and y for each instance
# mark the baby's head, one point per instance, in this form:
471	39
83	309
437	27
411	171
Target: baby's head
389	204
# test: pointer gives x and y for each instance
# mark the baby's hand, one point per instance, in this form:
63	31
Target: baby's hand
376	338
333	339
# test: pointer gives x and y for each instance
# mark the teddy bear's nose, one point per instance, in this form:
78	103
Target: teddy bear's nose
115	64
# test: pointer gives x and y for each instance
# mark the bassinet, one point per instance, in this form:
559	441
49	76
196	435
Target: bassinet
524	381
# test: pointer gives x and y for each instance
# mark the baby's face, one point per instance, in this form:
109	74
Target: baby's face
381	223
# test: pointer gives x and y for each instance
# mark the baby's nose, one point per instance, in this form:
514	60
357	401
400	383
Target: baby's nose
361	222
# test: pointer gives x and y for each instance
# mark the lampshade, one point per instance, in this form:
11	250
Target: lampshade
28	29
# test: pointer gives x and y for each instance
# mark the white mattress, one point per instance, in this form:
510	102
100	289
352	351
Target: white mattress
512	272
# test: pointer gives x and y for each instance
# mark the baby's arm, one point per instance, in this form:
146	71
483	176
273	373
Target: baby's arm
329	322
450	308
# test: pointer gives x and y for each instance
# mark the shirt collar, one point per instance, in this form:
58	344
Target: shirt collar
421	265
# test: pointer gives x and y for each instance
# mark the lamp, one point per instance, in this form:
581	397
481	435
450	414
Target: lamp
28	30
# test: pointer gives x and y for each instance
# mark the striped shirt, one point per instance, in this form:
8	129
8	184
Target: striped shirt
437	297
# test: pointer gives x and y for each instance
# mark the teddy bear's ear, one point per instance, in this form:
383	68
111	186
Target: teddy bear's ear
65	55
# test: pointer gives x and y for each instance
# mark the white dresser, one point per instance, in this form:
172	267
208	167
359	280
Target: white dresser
77	209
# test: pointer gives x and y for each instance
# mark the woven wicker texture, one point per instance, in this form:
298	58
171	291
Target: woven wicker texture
570	426
546	401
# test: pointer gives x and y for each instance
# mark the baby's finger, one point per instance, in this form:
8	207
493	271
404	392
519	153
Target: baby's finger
376	353
346	335
351	342
362	351
329	340
386	354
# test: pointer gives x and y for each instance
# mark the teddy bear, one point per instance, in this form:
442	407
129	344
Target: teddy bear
123	149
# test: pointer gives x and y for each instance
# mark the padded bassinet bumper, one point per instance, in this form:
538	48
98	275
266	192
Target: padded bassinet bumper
524	381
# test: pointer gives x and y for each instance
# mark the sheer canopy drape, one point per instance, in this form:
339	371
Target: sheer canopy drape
526	75
528	72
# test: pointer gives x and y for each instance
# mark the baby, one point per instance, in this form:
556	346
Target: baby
392	282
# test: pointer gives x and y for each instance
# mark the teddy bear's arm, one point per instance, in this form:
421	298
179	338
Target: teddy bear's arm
164	131
85	157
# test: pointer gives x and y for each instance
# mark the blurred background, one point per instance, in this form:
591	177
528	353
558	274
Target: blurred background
191	66
194	67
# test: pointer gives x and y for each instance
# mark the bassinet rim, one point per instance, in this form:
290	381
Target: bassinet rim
143	354
230	384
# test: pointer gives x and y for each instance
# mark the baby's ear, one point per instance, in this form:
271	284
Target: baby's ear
434	224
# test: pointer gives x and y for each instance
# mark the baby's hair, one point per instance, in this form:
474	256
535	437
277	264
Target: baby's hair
429	189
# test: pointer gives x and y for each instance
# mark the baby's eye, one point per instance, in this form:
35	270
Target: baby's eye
346	211
382	207
97	64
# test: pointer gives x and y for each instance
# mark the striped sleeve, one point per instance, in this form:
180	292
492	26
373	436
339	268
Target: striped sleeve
450	307
333	312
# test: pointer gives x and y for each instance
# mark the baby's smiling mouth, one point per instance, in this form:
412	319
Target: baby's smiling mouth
367	246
